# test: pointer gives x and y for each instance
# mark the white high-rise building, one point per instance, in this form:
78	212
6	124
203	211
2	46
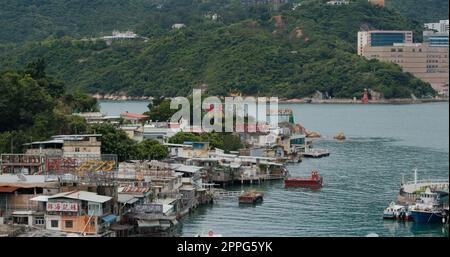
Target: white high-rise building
440	27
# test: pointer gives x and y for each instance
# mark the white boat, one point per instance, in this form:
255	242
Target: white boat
396	212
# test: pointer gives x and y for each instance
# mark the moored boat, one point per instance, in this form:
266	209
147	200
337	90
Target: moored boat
427	208
397	212
315	181
251	197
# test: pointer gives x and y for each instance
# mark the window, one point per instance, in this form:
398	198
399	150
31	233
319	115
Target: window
54	223
39	221
69	224
392	49
77	149
94	209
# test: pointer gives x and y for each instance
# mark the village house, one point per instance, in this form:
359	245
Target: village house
67	145
135	132
80	212
134	118
16	190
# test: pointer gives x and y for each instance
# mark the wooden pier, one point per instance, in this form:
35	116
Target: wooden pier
223	194
411	190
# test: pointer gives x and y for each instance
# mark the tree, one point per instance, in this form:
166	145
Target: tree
225	141
161	112
152	150
115	141
244	51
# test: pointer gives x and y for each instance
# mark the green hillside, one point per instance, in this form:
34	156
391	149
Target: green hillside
421	10
32	20
243	50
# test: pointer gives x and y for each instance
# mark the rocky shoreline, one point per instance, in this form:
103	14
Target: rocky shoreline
123	97
352	101
120	97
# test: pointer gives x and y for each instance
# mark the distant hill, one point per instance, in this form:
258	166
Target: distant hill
31	20
421	10
259	50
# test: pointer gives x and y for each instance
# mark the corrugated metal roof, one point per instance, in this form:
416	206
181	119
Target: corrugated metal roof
54	141
126	199
84	196
187	168
41	198
133	189
8	178
134	115
27	181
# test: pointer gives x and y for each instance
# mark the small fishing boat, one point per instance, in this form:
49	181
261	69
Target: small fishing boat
315	181
397	212
427	208
251	197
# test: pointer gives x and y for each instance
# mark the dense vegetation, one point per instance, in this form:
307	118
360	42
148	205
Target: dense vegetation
115	141
421	10
244	51
225	141
31	20
34	106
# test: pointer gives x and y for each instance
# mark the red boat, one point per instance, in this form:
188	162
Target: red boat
315	181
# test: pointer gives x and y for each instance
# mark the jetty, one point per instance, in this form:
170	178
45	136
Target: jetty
411	190
224	194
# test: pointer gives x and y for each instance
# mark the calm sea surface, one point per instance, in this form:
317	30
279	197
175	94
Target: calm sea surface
361	176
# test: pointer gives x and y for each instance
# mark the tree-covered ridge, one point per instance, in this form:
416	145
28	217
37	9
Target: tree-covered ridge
35	20
32	20
313	48
421	10
35	106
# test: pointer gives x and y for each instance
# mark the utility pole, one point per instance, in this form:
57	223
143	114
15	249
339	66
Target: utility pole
12	144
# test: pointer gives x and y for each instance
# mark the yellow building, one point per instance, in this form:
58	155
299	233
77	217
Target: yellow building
429	63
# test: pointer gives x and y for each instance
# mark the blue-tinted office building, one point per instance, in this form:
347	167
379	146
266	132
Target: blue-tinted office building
386	39
435	39
383	38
